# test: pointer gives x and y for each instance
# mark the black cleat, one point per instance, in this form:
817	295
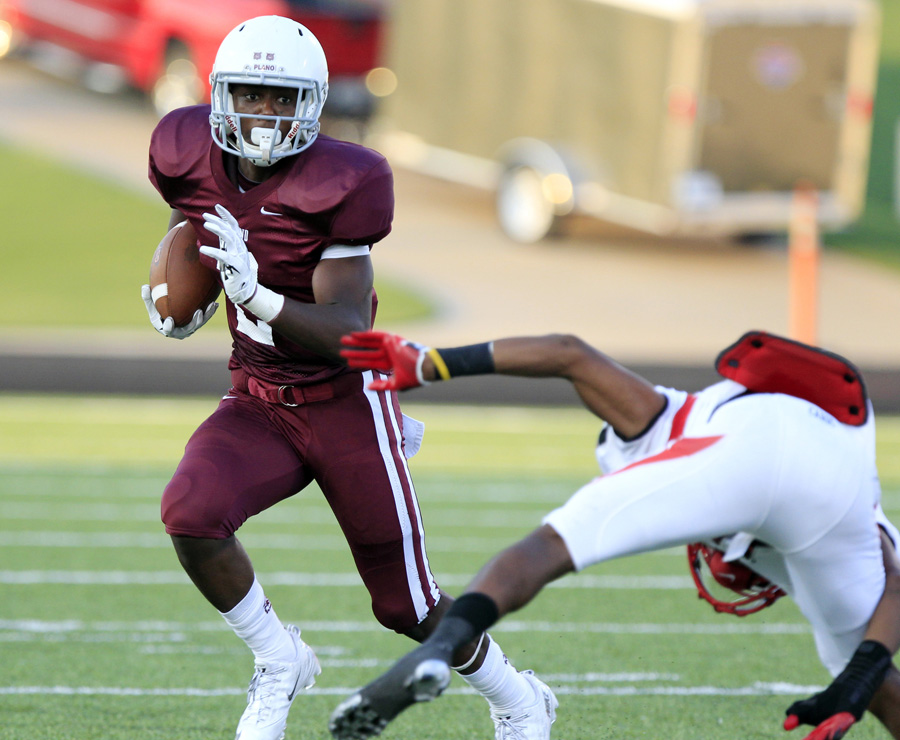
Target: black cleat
413	679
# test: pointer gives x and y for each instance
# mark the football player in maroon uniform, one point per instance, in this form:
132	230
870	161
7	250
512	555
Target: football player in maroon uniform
291	217
772	470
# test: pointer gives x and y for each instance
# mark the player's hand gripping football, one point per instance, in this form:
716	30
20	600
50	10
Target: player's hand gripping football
836	709
167	327
378	350
236	265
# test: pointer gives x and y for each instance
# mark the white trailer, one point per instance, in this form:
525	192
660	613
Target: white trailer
671	116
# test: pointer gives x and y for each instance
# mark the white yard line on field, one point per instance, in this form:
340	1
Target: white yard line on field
756	689
13	630
328	580
253	541
309	514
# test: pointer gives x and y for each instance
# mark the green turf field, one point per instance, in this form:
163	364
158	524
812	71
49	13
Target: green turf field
101	636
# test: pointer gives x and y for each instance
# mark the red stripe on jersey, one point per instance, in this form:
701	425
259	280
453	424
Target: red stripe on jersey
682	448
681	416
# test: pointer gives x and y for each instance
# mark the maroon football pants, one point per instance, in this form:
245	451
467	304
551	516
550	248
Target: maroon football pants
252	453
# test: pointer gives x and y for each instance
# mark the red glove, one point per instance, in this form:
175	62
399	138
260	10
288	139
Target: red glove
378	350
833	728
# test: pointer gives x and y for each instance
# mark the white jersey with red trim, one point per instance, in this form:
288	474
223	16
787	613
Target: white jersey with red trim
776	467
614	453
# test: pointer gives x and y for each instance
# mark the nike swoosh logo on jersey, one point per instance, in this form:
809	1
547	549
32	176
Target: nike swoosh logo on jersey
269	213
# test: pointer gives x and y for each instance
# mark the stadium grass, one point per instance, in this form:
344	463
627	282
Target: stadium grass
81	262
101	636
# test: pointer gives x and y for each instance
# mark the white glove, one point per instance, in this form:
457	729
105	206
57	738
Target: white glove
236	264
167	328
238	267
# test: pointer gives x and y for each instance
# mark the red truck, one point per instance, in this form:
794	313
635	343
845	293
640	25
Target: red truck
166	48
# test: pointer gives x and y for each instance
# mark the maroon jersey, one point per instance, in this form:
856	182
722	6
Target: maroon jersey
335	192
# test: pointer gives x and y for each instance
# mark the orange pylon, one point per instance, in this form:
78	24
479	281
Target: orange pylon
803	265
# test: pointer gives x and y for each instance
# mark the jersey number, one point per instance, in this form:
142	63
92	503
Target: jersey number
259	331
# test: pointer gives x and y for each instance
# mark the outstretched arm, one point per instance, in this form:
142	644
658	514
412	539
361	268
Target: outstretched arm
884	627
625	400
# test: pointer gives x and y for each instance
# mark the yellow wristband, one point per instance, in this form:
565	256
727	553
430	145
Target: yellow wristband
439	364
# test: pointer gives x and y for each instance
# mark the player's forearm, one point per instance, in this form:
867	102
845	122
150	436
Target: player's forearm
886	703
319	327
869	680
625	400
536	357
884	626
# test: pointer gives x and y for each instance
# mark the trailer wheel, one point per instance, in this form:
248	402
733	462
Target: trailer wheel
523	209
178	83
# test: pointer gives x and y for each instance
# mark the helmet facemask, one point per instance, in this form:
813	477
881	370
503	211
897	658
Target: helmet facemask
754	592
266	145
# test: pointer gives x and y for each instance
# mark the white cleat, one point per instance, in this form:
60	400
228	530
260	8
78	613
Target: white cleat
532	721
272	690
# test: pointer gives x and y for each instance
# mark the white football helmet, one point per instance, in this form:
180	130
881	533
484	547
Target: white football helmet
269	50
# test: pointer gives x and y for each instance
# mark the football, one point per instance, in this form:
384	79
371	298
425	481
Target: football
179	282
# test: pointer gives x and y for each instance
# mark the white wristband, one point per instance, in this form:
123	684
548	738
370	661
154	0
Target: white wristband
419	362
265	304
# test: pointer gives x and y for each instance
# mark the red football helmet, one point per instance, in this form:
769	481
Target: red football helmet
755	592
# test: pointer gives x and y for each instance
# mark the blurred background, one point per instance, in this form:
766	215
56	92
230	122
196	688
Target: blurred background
622	169
627	170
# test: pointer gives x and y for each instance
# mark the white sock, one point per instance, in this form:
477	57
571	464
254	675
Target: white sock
499	682
255	622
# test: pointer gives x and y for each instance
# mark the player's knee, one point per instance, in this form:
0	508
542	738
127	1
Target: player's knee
186	511
393	616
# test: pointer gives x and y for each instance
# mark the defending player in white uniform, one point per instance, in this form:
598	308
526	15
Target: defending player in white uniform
760	473
775	465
